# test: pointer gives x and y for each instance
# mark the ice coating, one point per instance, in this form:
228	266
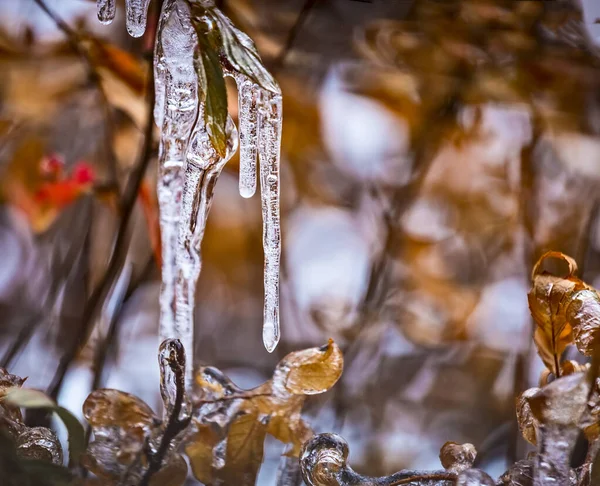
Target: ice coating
269	142
136	12
106	10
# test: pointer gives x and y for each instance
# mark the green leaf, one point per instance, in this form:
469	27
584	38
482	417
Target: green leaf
240	52
76	434
214	90
21	397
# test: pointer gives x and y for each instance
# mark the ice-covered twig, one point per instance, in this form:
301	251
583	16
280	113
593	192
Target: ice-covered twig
324	463
172	362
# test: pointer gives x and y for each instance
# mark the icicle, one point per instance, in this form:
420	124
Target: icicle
269	142
177	95
202	171
136	16
248	93
106	10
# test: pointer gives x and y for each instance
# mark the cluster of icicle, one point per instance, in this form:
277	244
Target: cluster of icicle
189	165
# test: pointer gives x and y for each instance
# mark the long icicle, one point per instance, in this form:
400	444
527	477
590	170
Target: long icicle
269	143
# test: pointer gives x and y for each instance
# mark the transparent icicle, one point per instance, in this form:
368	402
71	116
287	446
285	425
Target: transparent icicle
203	168
177	93
106	10
248	94
136	12
269	143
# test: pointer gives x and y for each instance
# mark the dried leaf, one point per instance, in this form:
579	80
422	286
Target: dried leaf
584	315
549	299
457	457
244	452
200	452
313	370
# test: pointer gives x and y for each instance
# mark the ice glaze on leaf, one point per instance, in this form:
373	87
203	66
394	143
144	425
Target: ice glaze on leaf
212	82
240	52
231	424
313	370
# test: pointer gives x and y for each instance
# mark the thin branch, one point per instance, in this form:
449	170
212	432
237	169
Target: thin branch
127	204
293	34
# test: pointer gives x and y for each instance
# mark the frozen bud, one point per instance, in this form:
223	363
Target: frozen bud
457	457
323	459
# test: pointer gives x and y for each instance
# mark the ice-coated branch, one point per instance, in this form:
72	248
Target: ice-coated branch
172	360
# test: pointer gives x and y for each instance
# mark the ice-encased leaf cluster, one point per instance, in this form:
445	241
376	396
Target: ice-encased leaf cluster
196	47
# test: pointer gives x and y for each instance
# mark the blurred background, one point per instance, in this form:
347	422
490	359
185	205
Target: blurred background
432	151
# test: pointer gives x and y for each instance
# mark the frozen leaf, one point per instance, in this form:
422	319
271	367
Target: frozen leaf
240	52
584	314
527	423
231	423
244	450
457	457
212	83
549	299
313	370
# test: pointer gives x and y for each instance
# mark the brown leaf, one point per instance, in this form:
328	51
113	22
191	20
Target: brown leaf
244	452
313	370
200	452
549	299
584	315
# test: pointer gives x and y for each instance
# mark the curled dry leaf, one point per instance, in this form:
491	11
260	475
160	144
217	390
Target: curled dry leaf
562	308
457	457
230	424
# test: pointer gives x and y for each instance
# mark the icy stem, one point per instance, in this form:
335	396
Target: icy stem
177	96
106	10
269	142
136	16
